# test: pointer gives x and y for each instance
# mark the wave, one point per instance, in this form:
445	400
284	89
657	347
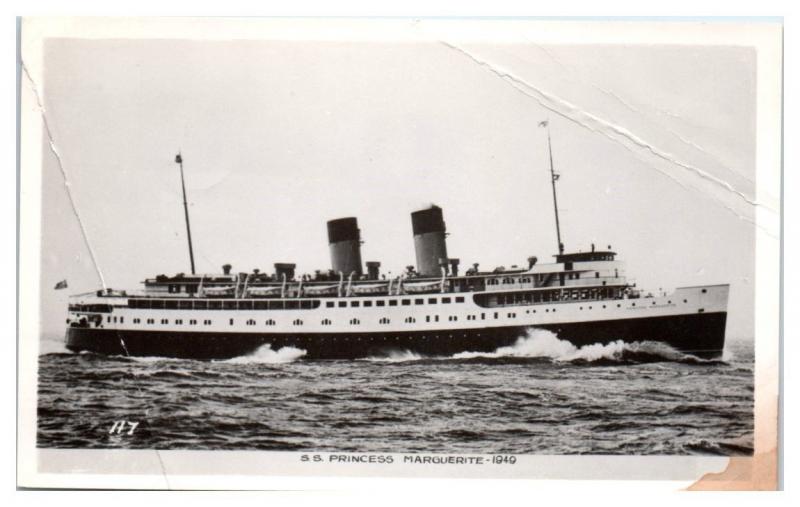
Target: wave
398	356
543	344
266	355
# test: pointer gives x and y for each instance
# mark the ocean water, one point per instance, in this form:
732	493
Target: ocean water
540	396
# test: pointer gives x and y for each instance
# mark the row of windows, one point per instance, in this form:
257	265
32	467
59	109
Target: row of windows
328	322
547	296
303	304
393	302
223	304
507	281
354	321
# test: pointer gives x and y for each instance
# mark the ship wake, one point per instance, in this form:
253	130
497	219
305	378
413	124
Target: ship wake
265	354
545	345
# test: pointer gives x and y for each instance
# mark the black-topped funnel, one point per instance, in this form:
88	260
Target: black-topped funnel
429	240
344	241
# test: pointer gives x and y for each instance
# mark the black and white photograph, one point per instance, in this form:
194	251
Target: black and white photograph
412	243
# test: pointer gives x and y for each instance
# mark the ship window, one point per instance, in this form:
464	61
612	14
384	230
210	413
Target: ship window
431	301
292	305
270	322
151	321
342	304
251	322
597	274
192	322
355	304
329	304
410	320
135	321
380	303
231	321
495	315
367	303
483	316
276	305
200	305
214	305
704	291
445	301
419	301
298	322
459	299
392	302
185	305
257	305
229	305
406	302
427	318
108	319
436	318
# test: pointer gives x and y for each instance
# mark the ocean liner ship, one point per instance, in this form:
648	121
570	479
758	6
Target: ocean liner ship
432	309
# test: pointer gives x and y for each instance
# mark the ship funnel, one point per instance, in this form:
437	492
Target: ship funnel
429	241
344	240
373	270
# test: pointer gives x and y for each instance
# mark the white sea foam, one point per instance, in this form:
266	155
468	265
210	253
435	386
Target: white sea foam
266	355
397	356
545	344
536	343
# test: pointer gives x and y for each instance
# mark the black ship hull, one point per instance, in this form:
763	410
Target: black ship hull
700	334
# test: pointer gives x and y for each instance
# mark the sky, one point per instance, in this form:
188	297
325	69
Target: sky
655	145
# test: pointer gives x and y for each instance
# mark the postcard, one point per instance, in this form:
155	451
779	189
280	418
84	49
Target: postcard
274	249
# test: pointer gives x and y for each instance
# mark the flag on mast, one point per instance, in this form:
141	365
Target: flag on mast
178	159
61	285
543	123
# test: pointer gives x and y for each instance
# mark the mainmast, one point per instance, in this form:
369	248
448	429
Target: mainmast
553	178
179	161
